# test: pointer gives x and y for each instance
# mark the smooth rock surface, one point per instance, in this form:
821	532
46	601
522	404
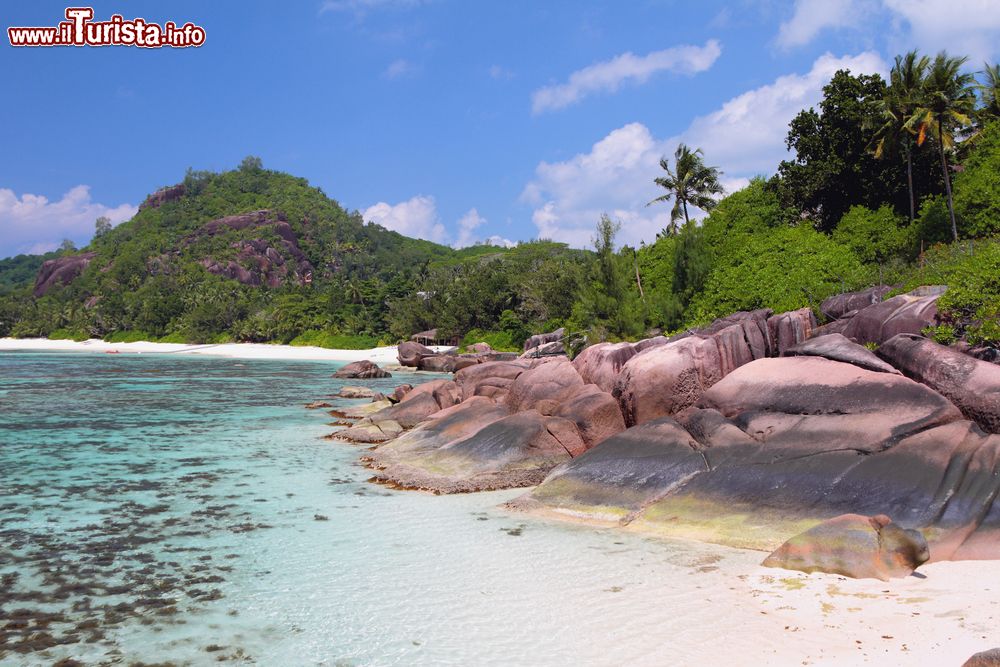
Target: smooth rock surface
839	348
971	384
361	370
854	546
906	313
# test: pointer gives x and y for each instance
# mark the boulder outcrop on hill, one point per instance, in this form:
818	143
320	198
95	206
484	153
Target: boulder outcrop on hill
257	261
60	271
162	196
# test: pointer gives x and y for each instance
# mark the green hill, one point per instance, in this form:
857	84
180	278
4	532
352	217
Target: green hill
249	254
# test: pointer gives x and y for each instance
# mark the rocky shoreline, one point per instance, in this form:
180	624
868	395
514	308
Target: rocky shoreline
746	432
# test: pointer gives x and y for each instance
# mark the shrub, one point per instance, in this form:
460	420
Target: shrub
334	341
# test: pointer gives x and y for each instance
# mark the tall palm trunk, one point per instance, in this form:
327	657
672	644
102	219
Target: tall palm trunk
947	184
909	178
686	219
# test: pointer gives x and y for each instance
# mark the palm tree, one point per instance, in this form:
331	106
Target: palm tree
946	104
901	100
690	182
991	92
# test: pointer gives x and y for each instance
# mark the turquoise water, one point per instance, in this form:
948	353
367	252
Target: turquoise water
166	509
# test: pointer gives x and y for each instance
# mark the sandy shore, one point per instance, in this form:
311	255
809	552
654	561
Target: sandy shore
380	355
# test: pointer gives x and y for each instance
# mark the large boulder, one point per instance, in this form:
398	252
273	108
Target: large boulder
414	407
906	313
499	374
541	339
551	349
594	412
440	429
410	353
60	271
838	348
790	329
841	305
361	370
666	379
989	658
782	444
854	546
600	364
553	380
972	385
515	451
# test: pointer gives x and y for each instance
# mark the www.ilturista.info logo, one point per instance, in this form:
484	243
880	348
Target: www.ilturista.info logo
80	30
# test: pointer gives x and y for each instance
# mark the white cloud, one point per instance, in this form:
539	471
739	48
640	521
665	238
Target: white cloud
963	27
609	75
813	16
467	225
398	68
744	137
498	240
31	223
501	73
415	217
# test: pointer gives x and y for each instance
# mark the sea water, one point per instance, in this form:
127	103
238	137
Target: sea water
168	509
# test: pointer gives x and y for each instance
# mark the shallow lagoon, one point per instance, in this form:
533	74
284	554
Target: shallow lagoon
157	508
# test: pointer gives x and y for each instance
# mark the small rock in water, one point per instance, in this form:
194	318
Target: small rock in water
315	405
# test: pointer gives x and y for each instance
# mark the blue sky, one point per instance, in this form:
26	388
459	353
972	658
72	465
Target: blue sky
455	121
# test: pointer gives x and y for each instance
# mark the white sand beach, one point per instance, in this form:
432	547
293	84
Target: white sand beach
380	355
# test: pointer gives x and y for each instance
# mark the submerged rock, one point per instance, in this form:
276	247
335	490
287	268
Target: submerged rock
355	392
971	384
854	546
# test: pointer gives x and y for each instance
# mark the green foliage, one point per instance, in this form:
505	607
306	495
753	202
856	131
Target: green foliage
785	269
970	309
501	341
875	237
609	304
333	340
18	273
68	334
834	168
128	337
689	182
977	187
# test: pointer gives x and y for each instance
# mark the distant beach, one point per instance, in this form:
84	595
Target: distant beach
380	355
